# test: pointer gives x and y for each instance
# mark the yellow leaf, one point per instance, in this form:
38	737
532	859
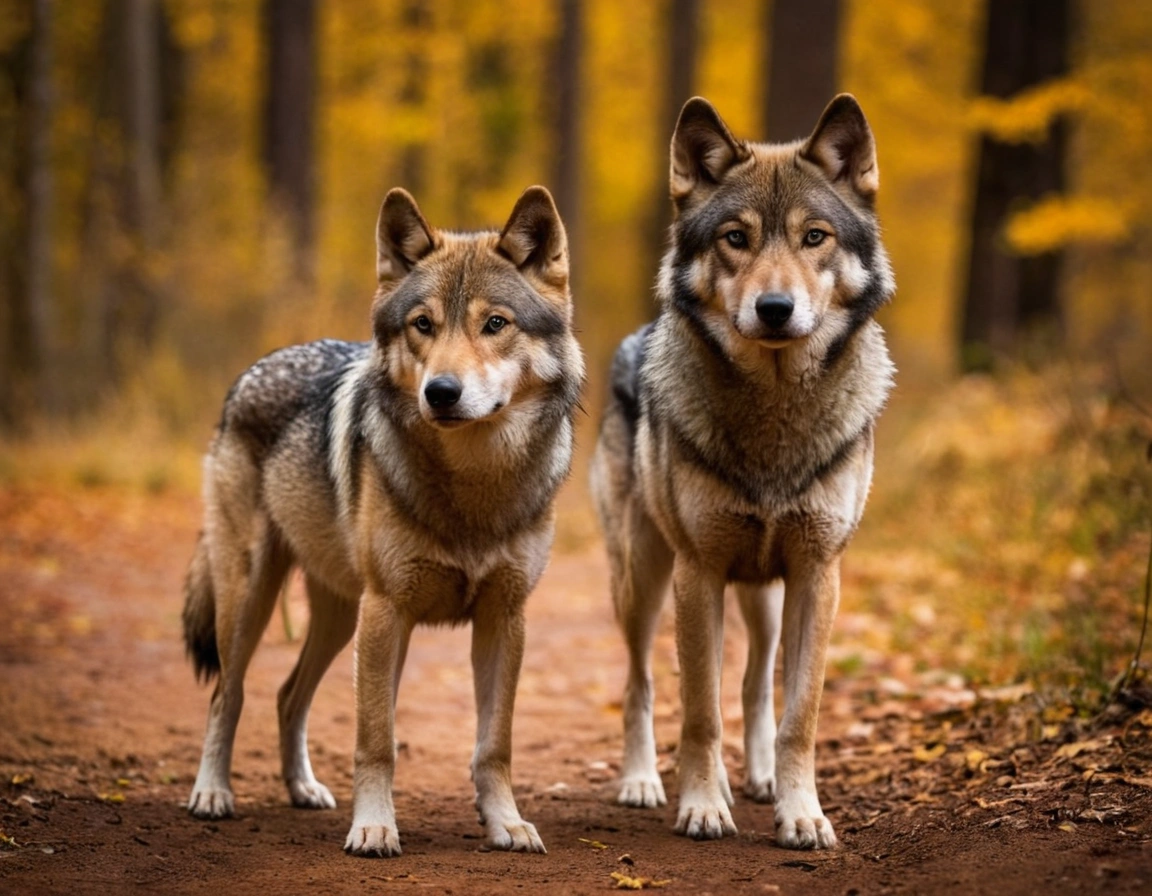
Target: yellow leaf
974	759
1071	751
624	882
123	782
112	797
595	844
18	780
929	754
1067	826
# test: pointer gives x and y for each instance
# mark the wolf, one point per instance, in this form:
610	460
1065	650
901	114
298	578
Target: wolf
736	447
411	478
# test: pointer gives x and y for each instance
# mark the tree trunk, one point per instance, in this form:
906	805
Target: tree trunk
289	119
566	150
680	77
802	46
39	192
1008	295
416	18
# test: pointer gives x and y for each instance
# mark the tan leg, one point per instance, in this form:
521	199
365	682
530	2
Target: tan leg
246	590
330	628
704	813
762	609
639	582
812	594
497	652
381	644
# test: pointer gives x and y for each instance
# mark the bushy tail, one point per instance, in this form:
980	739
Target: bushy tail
200	615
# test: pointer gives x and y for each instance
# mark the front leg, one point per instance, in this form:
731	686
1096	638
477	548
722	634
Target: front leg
704	794
762	608
497	651
812	593
382	638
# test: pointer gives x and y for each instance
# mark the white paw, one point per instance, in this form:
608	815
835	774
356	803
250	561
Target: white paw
760	789
212	803
515	835
373	841
310	795
705	820
642	791
800	824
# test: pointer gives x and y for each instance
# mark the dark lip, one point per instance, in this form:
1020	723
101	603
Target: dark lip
449	422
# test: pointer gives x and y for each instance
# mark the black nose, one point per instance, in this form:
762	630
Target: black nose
443	391
774	308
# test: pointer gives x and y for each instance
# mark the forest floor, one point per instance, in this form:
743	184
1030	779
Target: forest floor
933	786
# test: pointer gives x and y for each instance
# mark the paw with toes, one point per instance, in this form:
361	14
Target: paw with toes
212	803
760	790
642	792
373	841
702	821
804	830
310	795
515	836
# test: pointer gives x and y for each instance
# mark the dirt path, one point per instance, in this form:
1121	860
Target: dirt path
100	727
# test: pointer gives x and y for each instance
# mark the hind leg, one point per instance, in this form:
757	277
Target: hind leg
330	628
762	609
246	586
640	570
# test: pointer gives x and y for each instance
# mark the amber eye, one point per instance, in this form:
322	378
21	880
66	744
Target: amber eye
423	324
737	239
494	324
814	237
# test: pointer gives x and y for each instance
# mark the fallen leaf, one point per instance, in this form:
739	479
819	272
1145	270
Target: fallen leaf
1067	826
929	754
974	759
123	782
595	844
20	780
7	842
1136	781
624	882
112	797
1071	751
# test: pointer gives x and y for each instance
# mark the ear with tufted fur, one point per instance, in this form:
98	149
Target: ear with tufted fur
703	149
534	239
403	237
842	146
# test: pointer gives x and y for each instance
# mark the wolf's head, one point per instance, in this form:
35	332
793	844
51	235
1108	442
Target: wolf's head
775	244
473	327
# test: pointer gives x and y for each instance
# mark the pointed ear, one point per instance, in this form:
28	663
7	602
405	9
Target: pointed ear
703	149
534	239
403	237
842	146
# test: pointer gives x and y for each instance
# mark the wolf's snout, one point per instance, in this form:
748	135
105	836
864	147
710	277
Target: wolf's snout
443	391
774	308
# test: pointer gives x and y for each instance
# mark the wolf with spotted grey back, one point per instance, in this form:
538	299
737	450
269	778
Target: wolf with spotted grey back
411	478
737	447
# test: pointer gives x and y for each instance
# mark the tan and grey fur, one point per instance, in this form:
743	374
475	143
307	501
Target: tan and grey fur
412	479
736	448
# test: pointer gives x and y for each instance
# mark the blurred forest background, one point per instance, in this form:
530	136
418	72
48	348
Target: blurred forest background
188	184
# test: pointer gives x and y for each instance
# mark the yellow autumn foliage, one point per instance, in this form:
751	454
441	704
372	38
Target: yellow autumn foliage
1058	221
1027	116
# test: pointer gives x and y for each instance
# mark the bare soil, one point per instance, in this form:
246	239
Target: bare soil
931	790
